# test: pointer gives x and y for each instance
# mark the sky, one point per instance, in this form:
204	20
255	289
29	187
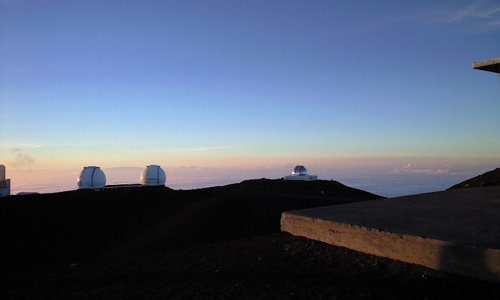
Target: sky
377	94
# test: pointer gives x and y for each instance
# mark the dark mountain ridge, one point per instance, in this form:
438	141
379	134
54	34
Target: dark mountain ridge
491	178
213	243
44	229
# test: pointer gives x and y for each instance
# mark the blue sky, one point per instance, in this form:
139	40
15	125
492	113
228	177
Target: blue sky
246	84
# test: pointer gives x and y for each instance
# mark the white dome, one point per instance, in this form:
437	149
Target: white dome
299	170
91	178
153	175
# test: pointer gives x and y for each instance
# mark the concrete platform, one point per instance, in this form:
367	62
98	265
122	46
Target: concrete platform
456	231
490	65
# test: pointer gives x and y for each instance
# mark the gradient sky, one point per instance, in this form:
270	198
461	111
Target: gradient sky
240	85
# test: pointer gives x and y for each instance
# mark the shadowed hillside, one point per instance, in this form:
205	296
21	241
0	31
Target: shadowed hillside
67	227
319	188
214	243
491	178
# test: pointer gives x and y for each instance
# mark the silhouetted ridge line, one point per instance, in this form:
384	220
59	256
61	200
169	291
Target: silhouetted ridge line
325	188
491	178
63	228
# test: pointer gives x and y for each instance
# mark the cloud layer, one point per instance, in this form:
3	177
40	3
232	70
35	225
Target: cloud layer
483	15
417	169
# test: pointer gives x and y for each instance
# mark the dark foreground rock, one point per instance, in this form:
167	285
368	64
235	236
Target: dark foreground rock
278	266
221	242
46	229
491	178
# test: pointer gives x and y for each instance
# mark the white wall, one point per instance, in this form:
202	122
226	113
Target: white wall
301	177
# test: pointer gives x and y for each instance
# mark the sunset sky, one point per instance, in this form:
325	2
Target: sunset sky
221	90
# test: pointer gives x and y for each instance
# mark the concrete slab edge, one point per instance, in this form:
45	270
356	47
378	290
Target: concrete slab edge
464	260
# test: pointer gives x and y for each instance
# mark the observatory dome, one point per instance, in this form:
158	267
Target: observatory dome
91	178
299	170
153	175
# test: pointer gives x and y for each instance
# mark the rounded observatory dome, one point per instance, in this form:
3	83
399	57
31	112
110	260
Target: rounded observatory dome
91	178
153	175
299	170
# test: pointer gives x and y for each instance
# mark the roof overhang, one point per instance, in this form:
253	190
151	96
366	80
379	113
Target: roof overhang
490	65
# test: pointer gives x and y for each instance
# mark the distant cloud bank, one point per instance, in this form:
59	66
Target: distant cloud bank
416	169
385	177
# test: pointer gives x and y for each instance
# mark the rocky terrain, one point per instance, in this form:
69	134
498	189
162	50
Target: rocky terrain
491	178
220	242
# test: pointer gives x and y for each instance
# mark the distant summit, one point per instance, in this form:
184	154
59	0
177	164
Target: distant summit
303	189
491	178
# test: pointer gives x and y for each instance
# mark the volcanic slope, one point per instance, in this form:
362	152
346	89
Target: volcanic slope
63	228
491	178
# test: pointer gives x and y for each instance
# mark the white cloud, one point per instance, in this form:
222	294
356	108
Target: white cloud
478	15
417	169
202	149
423	170
479	10
471	17
11	146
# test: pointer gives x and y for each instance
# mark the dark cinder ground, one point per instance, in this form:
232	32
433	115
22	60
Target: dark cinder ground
221	242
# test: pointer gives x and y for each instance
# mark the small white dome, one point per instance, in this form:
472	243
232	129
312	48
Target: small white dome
153	175
91	178
299	170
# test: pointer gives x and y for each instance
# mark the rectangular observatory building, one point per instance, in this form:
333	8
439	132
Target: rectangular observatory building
4	183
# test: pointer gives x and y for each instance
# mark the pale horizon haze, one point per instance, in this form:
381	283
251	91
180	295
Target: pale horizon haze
379	95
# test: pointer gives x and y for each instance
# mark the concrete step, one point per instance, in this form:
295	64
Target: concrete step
455	231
